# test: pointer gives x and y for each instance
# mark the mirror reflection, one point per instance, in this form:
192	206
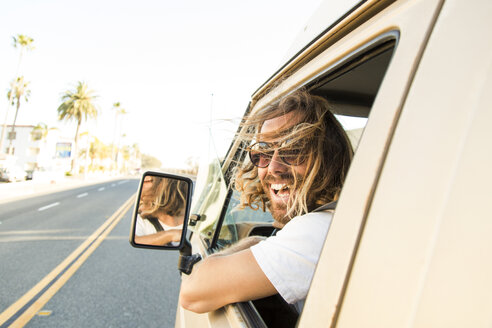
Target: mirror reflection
161	211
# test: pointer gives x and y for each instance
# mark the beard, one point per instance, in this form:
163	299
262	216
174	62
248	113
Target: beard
279	208
279	214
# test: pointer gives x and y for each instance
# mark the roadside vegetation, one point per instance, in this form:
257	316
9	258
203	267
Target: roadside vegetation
77	106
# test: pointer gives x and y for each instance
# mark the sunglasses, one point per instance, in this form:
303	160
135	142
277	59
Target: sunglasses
261	153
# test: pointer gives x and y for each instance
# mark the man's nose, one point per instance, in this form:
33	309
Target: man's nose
277	165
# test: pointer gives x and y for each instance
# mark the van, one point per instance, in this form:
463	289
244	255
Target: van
410	244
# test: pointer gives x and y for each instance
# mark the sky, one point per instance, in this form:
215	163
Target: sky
179	68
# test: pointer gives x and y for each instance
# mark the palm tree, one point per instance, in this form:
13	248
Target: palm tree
25	43
119	112
136	150
98	150
116	107
17	91
40	131
77	105
126	153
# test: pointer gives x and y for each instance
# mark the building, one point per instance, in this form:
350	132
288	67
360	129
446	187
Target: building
31	150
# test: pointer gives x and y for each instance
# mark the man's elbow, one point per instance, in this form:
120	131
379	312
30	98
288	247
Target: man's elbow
199	292
190	303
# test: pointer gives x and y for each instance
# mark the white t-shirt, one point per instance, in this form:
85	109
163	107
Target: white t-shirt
289	258
144	227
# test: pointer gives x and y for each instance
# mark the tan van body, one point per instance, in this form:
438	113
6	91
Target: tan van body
411	240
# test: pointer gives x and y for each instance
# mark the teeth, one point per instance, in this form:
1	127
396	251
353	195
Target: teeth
279	186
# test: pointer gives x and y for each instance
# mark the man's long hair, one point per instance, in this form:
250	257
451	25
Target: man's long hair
323	140
167	196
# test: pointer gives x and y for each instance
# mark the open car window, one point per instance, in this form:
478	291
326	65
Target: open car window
351	88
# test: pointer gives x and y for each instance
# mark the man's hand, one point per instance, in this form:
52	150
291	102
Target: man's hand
230	276
160	238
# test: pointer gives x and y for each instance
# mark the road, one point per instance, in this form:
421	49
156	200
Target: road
66	262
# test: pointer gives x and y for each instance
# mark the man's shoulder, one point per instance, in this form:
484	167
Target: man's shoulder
311	223
331	206
308	228
322	216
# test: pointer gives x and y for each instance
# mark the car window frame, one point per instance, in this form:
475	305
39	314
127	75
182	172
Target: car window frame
248	309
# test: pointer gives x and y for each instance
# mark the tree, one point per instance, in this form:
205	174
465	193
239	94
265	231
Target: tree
116	107
40	131
95	149
18	90
149	162
119	112
136	151
98	150
126	153
25	43
77	105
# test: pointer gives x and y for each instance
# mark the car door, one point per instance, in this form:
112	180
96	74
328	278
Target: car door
422	256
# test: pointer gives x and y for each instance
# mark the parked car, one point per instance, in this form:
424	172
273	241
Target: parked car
29	174
410	243
12	174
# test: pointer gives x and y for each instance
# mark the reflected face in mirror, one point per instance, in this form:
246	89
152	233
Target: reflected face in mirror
147	189
161	210
147	183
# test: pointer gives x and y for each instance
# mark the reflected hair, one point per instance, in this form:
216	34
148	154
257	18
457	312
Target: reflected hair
323	142
165	195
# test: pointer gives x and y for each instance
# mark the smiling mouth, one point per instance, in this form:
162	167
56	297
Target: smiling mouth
280	189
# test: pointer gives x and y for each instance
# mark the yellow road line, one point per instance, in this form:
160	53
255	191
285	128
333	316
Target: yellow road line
96	238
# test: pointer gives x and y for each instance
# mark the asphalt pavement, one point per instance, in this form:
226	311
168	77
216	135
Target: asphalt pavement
41	224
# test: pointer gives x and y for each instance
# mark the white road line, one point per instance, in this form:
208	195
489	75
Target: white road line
48	206
82	195
101	189
113	185
122	182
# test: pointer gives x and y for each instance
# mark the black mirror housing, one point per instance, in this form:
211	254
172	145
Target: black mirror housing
161	212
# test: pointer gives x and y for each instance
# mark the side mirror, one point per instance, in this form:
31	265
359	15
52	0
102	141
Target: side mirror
161	211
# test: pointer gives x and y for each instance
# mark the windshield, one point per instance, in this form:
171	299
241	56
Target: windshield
210	194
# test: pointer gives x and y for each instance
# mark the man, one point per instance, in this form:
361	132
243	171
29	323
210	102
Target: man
299	156
160	212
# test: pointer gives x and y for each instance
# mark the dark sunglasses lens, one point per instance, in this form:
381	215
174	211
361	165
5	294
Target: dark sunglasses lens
260	155
292	153
292	156
259	159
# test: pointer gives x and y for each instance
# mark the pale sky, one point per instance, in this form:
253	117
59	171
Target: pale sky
161	60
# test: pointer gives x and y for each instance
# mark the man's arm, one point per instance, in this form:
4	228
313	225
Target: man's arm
223	279
159	238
